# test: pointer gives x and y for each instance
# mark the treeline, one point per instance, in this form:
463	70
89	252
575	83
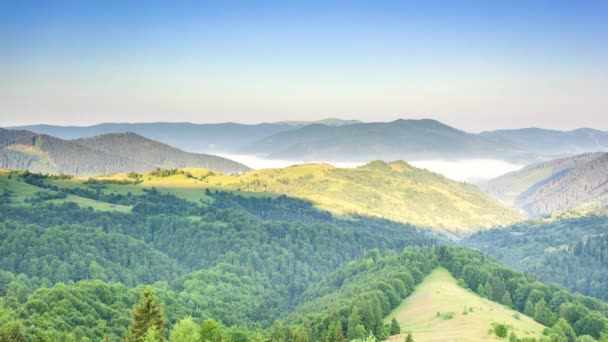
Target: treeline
347	305
572	252
568	315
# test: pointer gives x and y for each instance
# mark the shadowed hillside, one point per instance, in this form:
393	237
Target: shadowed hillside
103	154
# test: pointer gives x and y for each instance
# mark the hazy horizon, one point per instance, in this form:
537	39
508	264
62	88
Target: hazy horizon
2	125
475	65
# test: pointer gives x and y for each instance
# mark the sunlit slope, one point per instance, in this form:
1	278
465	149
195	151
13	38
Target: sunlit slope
396	191
440	293
21	194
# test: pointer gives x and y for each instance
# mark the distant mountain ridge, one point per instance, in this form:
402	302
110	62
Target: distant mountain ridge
400	139
352	140
557	185
553	142
104	154
203	138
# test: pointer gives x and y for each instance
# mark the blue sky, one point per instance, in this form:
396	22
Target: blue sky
472	64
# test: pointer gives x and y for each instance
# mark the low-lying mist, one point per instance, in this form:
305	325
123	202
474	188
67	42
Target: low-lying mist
466	170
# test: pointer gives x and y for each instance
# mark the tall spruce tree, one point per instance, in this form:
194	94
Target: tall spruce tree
148	319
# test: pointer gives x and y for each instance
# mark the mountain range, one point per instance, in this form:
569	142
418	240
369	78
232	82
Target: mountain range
102	154
352	140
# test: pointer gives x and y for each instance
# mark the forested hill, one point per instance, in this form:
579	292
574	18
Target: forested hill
104	154
400	139
568	250
557	185
396	191
239	260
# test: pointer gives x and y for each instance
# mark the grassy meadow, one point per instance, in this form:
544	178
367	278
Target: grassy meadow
426	314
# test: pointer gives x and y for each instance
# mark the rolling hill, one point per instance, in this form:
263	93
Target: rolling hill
557	185
471	315
105	154
395	191
400	139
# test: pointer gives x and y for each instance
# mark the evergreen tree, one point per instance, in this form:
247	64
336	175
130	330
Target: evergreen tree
506	299
409	337
277	333
529	308
300	335
148	319
335	333
354	321
481	291
395	328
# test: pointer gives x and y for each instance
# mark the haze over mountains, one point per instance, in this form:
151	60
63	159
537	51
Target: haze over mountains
351	140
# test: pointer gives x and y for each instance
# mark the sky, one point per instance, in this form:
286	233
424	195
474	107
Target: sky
475	65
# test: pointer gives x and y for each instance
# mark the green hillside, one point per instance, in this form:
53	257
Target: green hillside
396	191
566	250
463	314
557	185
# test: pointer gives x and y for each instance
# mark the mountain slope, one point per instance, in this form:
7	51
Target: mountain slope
99	155
558	185
401	139
397	191
567	251
472	315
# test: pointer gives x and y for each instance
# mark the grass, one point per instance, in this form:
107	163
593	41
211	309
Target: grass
22	191
440	310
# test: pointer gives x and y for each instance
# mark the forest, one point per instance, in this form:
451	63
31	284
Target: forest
569	250
238	260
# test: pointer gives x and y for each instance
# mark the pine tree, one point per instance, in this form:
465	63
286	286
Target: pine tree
395	328
354	320
409	337
540	311
277	333
148	319
334	333
529	308
506	299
